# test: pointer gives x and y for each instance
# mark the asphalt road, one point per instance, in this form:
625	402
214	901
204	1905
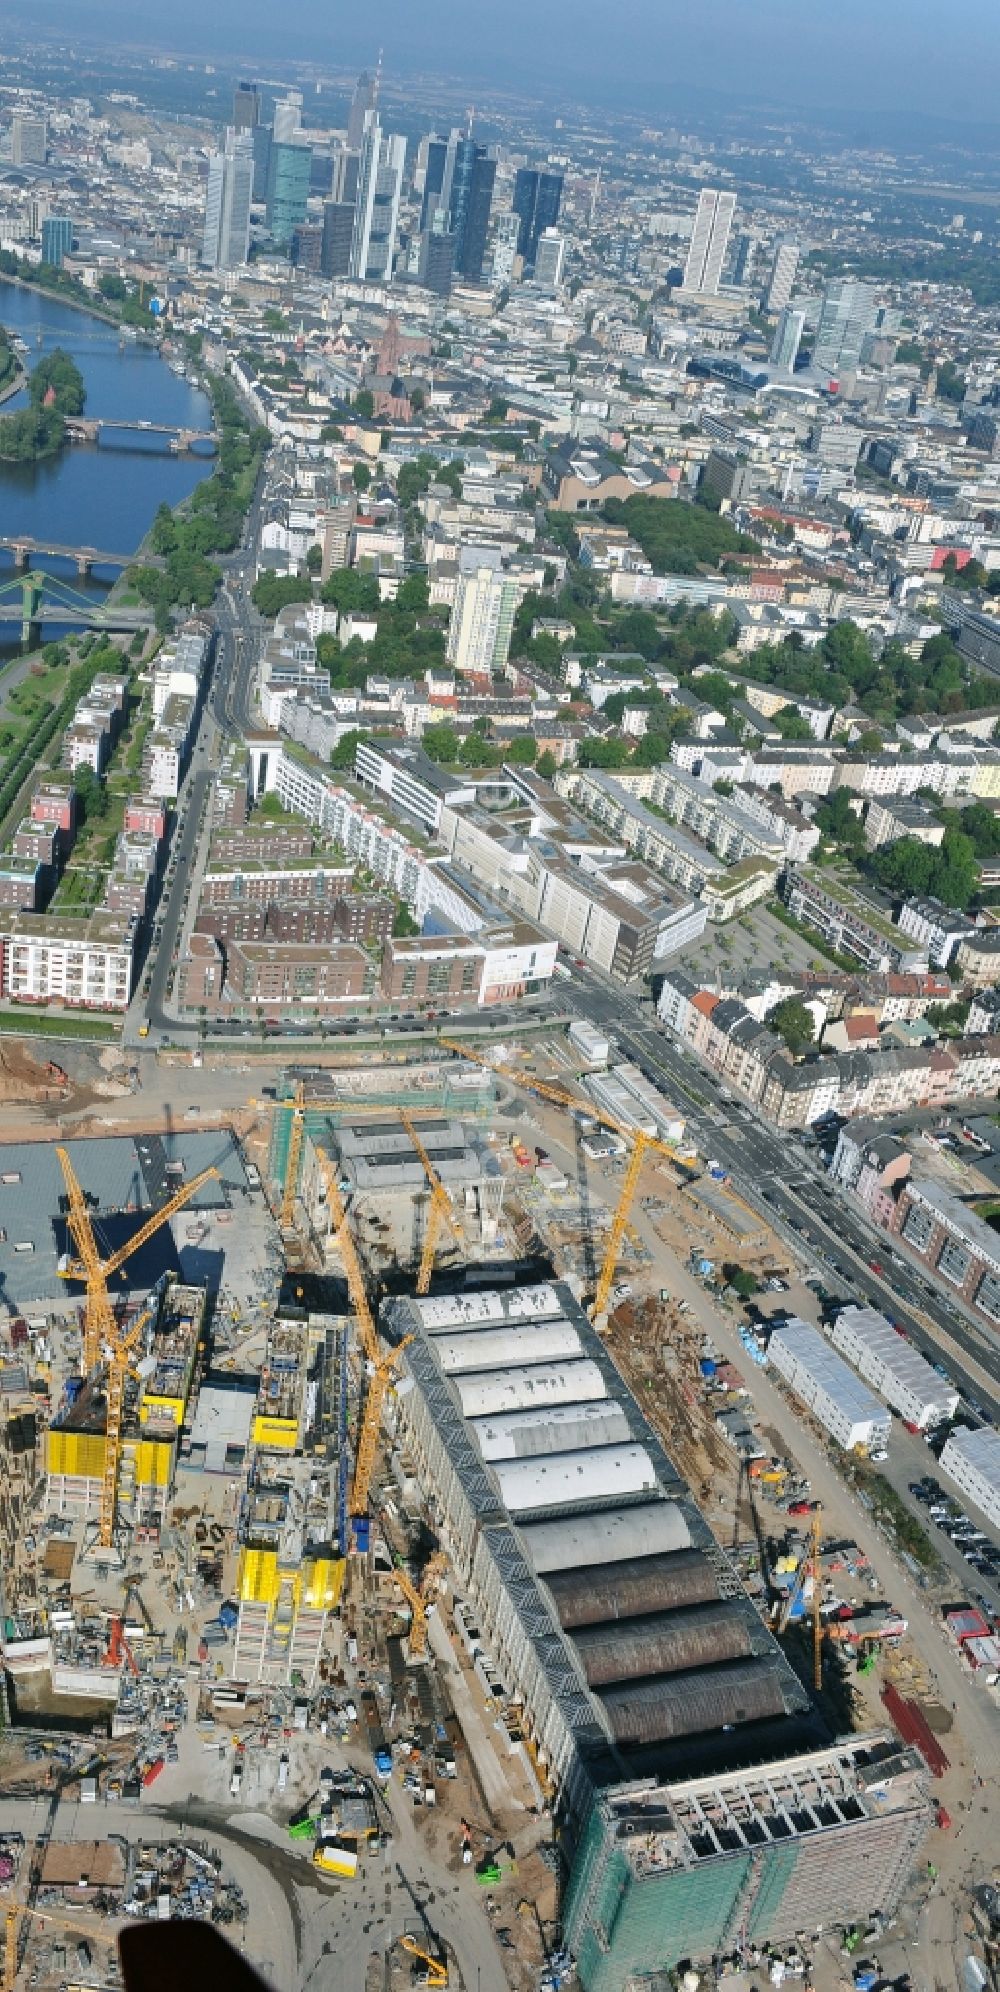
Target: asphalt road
227	709
772	1171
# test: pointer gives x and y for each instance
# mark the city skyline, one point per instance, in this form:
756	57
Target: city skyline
773	54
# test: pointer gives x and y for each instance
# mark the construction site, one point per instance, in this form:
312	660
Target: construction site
370	1470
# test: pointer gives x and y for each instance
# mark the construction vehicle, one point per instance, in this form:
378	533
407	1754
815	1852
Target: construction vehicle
118	1649
95	1273
419	1598
435	1972
639	1141
440	1211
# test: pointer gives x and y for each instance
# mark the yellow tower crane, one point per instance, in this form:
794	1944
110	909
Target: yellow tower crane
120	1353
418	1597
16	1918
295	1138
381	1366
440	1211
348	1251
92	1271
641	1145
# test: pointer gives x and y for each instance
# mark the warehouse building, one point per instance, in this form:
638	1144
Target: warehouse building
616	1630
831	1391
893	1367
972	1459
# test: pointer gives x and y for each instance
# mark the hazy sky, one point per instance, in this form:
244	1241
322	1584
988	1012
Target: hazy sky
906	56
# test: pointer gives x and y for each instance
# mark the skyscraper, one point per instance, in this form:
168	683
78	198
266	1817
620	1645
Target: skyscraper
742	257
226	238
471	200
550	260
364	100
260	138
287	118
537	200
28	139
709	238
437	260
57	239
338	234
344	182
787	339
458	196
781	281
287	190
482	620
846	314
380	181
246	107
505	248
438	167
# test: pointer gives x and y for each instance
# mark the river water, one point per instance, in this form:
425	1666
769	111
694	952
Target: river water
102	494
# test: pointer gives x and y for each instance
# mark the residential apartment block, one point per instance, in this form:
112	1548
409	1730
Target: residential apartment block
86	963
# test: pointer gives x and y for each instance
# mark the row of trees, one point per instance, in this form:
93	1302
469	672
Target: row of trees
213	522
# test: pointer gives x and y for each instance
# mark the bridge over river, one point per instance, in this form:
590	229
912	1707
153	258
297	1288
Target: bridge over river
91	428
22	546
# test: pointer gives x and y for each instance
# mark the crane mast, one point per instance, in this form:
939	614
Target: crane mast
440	1211
640	1142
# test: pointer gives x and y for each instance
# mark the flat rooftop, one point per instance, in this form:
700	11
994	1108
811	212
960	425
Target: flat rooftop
127	1176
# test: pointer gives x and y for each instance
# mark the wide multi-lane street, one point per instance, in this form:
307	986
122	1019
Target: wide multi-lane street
774	1173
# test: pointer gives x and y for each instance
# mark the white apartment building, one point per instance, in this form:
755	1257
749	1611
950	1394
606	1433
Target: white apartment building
414	870
935	927
972	1461
780	819
482	620
86	964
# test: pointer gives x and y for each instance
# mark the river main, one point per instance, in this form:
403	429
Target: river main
102	494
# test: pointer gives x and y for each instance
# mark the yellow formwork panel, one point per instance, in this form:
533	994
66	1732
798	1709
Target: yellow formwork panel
257	1581
152	1459
79	1453
282	1433
322	1582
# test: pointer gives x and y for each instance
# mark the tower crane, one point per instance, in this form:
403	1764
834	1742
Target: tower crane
641	1144
379	1384
817	1622
121	1350
418	1598
295	1137
381	1366
16	1918
440	1211
352	1264
10	1936
92	1271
